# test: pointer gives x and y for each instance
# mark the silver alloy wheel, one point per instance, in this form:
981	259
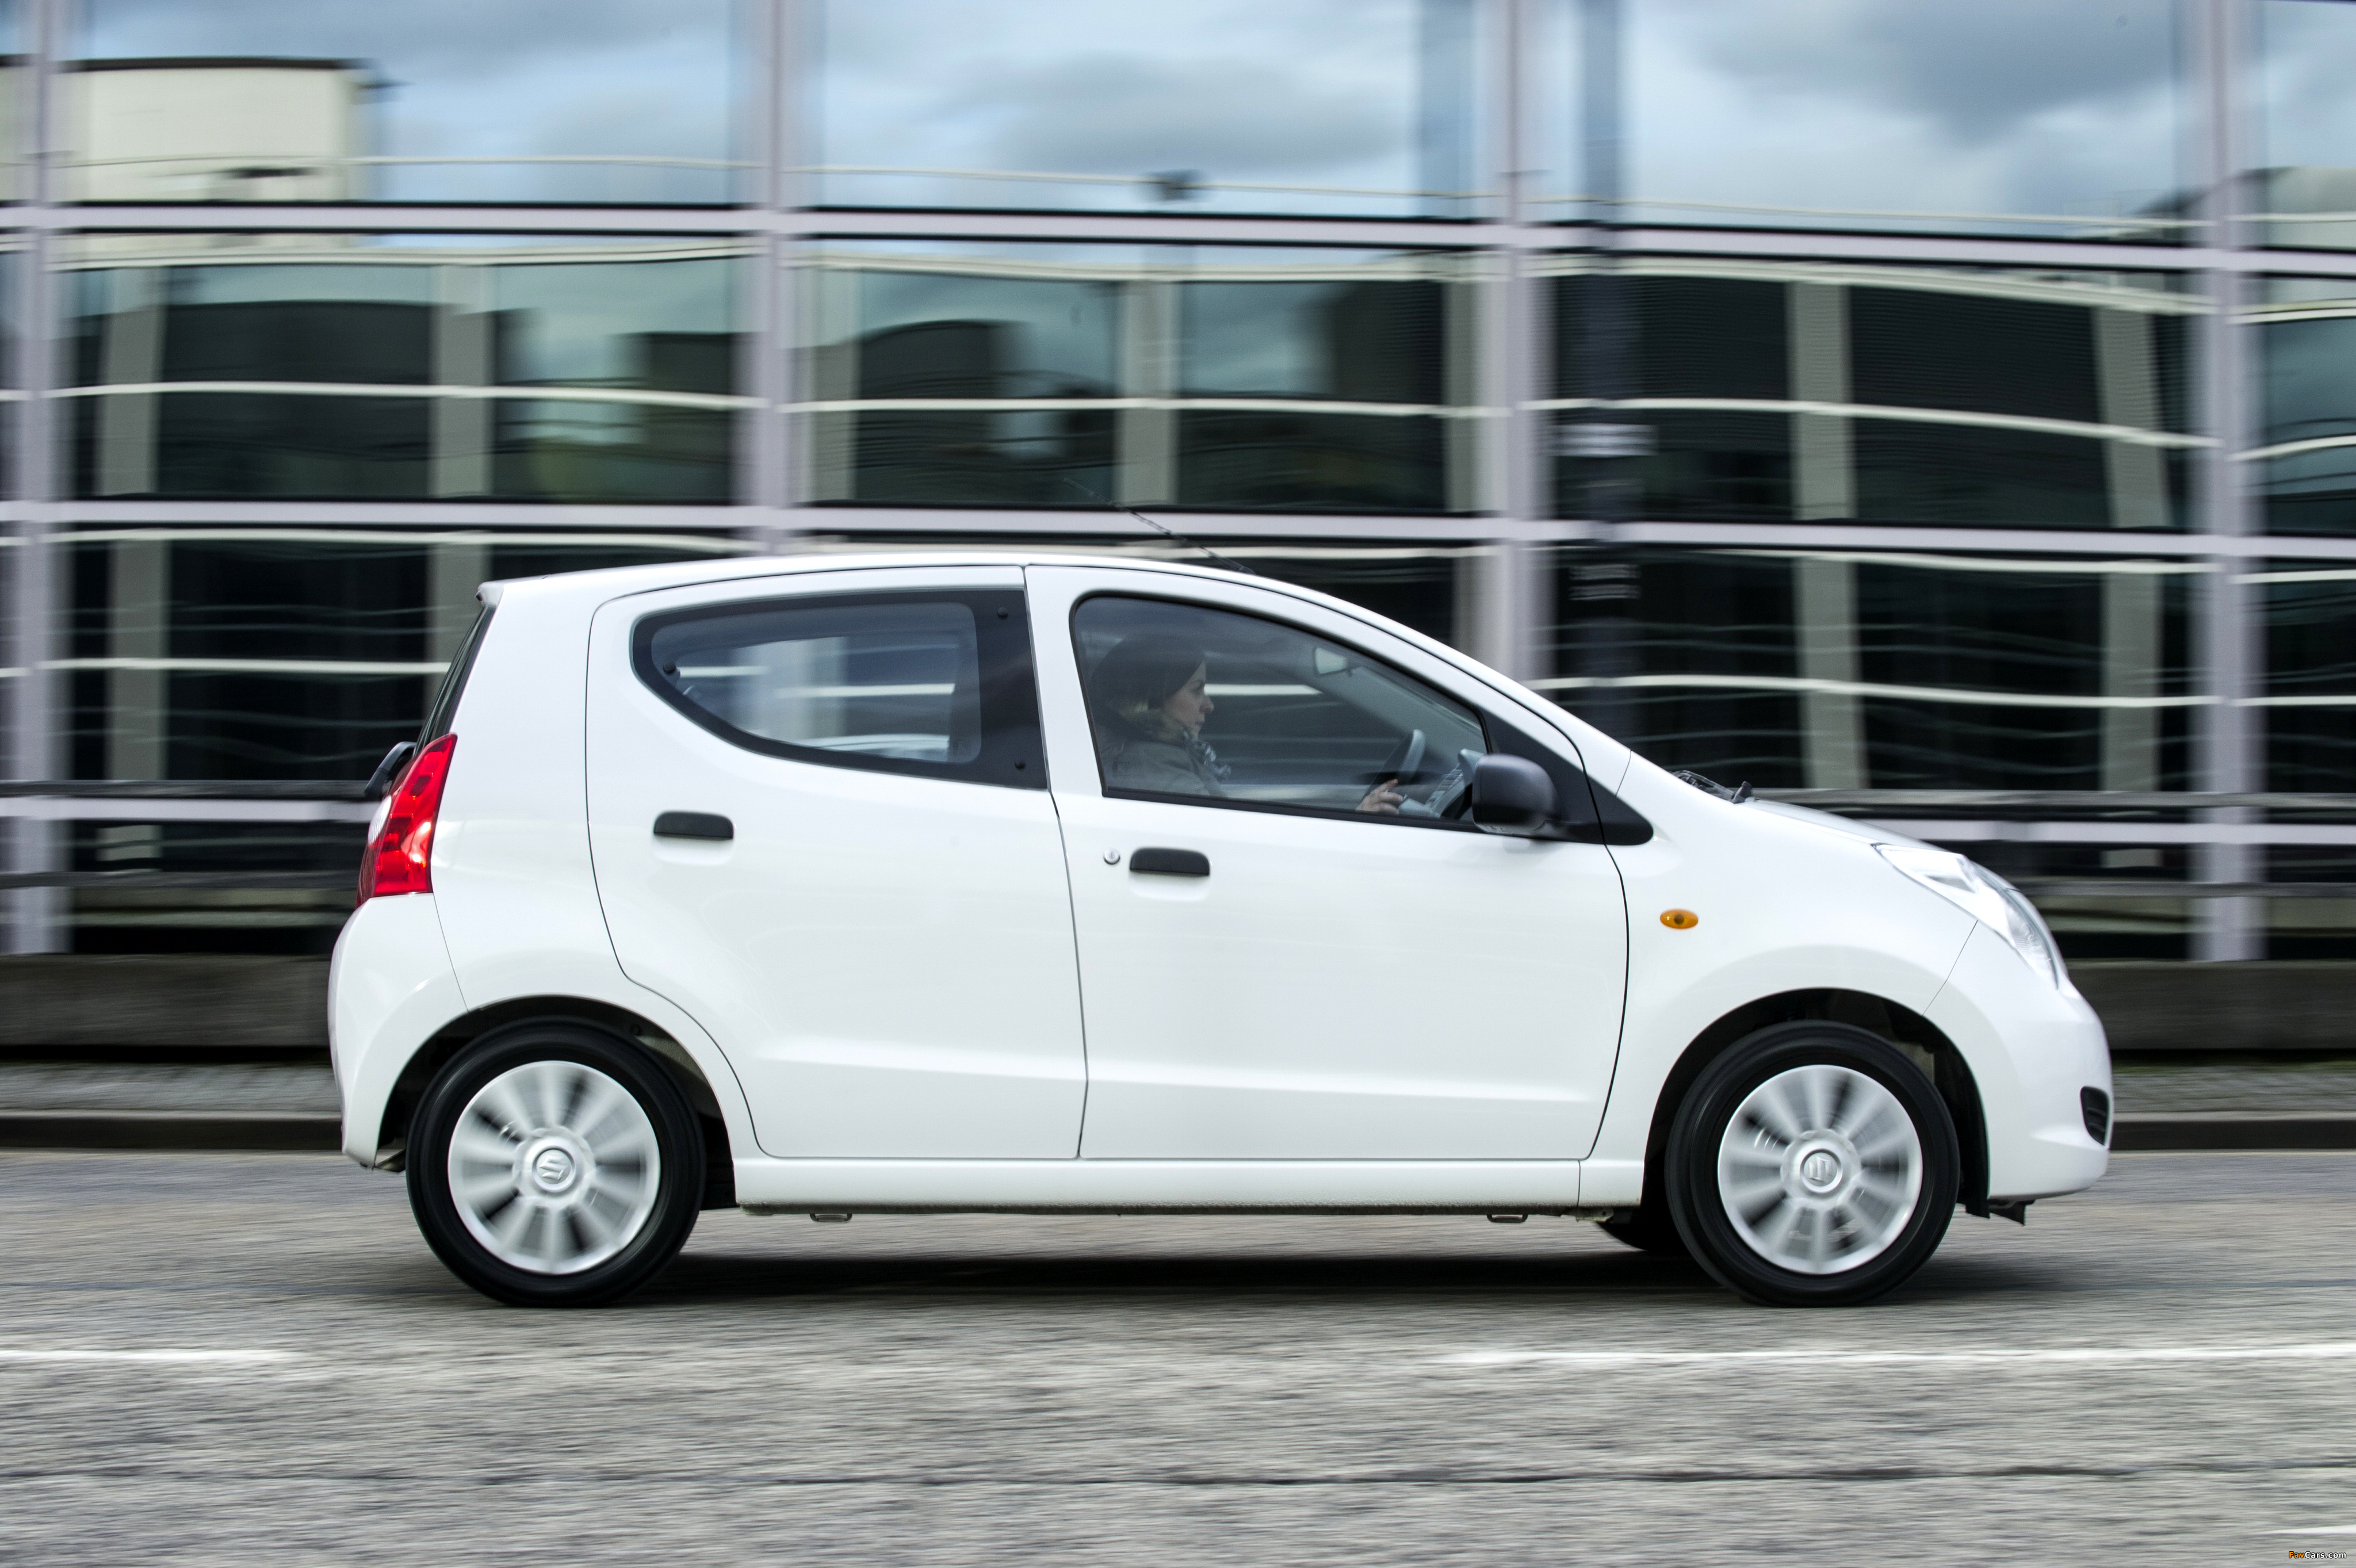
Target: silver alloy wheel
554	1167
1819	1169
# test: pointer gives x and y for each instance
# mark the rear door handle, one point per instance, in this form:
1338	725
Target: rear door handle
694	825
1170	863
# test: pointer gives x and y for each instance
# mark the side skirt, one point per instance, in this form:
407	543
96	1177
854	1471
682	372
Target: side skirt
1134	1187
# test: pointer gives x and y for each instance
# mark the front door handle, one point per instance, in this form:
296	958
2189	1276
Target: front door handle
1170	863
694	825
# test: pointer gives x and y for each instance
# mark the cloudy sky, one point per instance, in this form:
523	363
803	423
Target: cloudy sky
1279	91
2000	106
485	77
2046	106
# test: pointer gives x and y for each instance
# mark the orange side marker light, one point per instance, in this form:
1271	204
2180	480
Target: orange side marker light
1680	919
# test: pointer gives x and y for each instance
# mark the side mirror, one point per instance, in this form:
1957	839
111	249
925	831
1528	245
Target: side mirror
1511	795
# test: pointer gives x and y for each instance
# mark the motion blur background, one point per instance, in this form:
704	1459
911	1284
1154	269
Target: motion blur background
1944	410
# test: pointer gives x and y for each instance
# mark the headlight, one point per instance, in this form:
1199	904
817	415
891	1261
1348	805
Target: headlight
1986	898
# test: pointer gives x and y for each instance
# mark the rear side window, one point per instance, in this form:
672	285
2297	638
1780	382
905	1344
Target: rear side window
454	682
936	684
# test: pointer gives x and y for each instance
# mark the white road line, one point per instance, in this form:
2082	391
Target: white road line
168	1358
2319	1529
2091	1354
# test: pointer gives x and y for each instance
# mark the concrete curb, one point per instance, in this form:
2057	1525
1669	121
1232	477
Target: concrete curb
2149	1130
314	1132
317	1132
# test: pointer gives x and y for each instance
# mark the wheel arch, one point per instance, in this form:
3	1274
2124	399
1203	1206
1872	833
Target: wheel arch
1921	1041
631	1029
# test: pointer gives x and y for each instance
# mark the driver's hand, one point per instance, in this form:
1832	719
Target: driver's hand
1383	797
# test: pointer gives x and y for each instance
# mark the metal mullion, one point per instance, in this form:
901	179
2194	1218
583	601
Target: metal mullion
2229	929
1508	630
777	376
35	847
1811	244
761	475
1238	526
441	514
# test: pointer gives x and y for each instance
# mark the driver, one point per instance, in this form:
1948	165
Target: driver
1152	699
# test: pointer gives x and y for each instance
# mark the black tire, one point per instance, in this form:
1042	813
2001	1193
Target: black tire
646	1222
1648	1228
1765	1230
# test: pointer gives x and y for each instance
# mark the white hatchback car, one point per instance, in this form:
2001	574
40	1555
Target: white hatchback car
967	882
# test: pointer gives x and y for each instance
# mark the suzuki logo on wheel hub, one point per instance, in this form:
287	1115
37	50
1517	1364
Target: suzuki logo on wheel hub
553	1170
1821	1169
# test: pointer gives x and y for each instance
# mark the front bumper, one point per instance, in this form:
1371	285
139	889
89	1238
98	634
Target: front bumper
2032	1048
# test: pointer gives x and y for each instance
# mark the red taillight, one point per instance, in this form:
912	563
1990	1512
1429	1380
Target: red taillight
400	858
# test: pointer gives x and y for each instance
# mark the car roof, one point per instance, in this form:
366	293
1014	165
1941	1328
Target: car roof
618	582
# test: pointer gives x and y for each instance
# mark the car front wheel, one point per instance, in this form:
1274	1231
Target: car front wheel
1812	1164
551	1165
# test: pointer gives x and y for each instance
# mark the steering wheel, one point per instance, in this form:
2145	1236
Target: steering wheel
1413	760
1454	791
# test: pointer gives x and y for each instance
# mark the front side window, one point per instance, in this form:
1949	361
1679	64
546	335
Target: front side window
1209	705
931	684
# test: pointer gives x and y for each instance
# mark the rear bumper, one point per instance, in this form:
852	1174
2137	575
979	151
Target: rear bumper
389	987
2032	1048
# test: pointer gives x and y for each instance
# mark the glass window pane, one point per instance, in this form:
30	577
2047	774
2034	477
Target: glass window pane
1207	704
15	90
1983	397
1844	670
2306	355
2058	118
1358	107
432	100
2305	176
1076	376
1422	586
283	653
320	366
299	892
2309	612
864	678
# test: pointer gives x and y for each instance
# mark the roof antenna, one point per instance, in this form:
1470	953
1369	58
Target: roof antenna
1170	534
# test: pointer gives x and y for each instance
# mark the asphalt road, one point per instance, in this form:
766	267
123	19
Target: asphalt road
217	1359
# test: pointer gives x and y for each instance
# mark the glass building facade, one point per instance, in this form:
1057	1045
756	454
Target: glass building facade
1940	411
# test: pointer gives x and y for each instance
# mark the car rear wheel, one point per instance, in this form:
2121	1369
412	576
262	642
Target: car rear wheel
551	1165
1812	1164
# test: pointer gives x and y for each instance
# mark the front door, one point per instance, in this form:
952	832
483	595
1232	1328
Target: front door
819	820
1291	946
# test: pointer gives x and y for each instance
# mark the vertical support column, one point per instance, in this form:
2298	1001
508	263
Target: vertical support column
2126	372
461	357
2131	627
1602	585
1145	452
37	923
782	470
1832	741
1824	463
2229	929
131	353
1509	576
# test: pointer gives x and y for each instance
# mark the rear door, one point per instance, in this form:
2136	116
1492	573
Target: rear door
818	812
